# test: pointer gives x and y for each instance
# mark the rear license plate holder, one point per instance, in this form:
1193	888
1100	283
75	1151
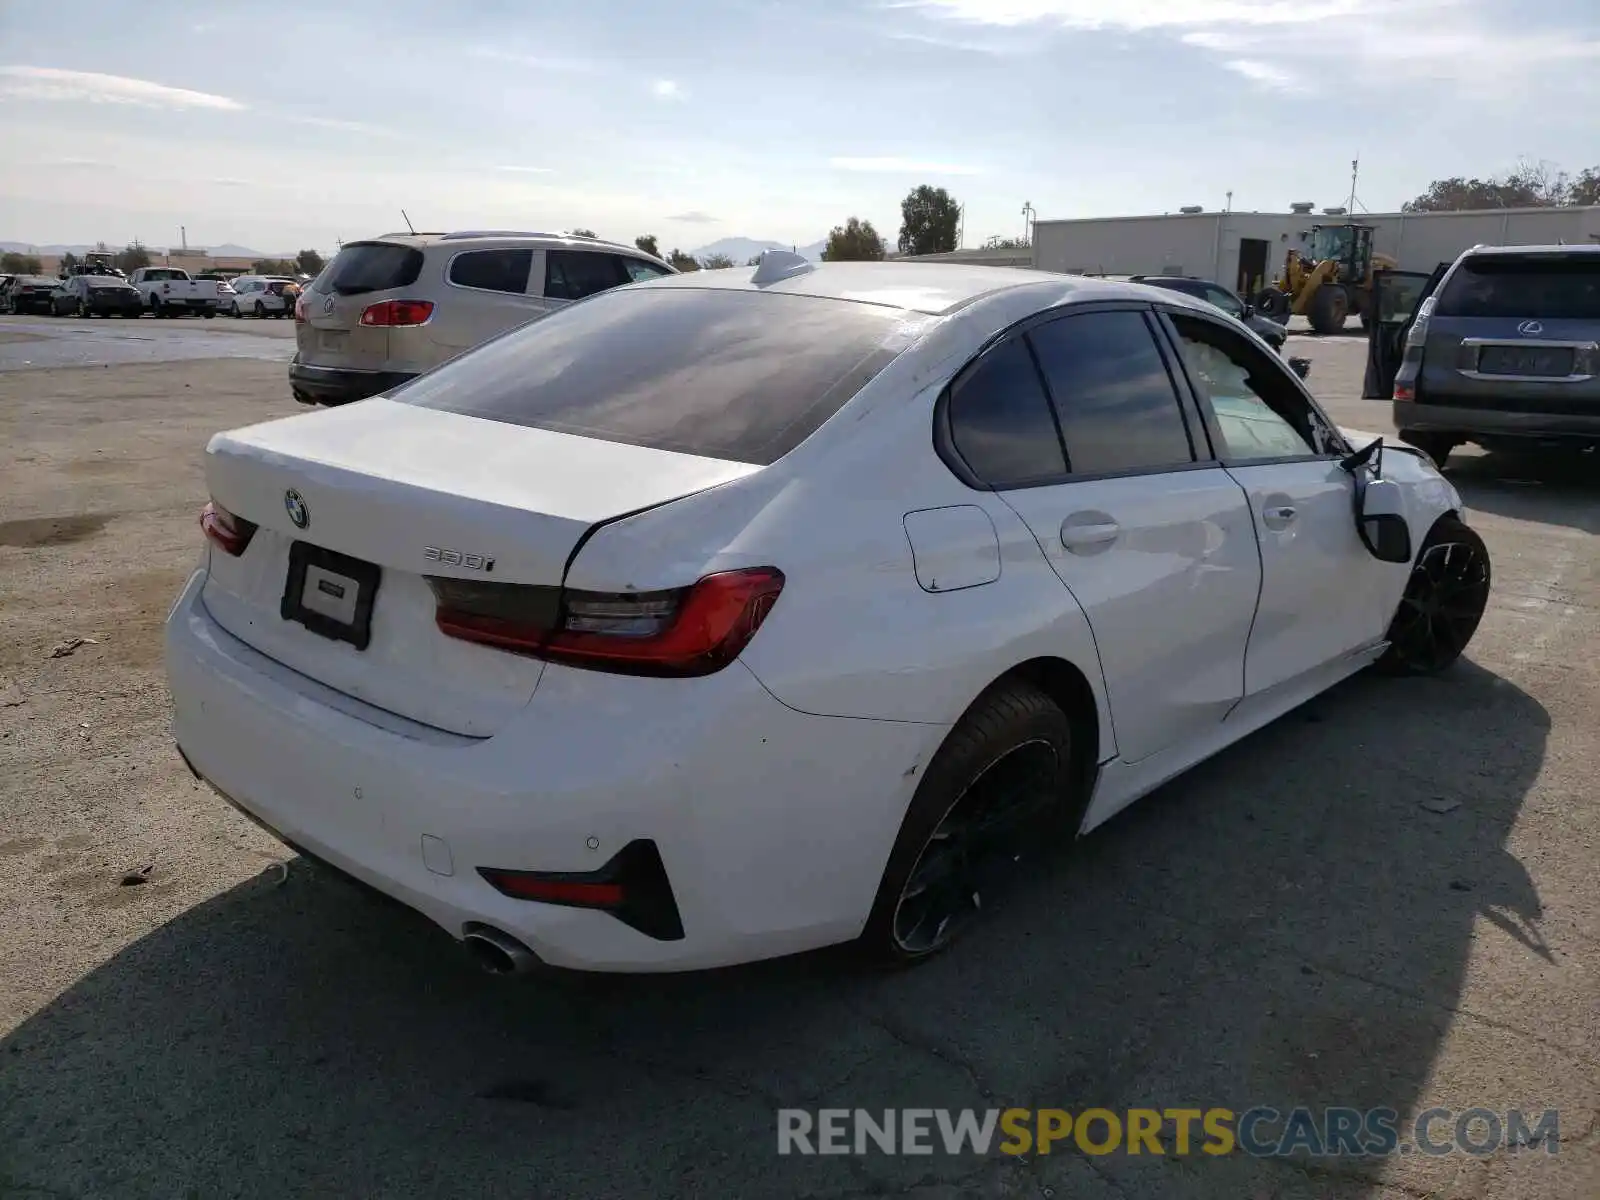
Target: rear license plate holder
1533	362
340	589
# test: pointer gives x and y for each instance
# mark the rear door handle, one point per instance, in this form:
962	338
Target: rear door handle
1079	538
1279	515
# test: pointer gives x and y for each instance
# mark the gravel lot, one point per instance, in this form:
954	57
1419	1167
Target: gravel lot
1291	923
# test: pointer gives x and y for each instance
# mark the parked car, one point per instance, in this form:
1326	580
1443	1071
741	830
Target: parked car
388	309
733	614
1273	333
28	293
170	292
96	296
1497	348
263	296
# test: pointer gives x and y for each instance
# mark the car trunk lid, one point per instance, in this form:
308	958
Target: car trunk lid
401	493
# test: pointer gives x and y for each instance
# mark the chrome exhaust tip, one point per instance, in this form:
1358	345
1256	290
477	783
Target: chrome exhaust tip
499	953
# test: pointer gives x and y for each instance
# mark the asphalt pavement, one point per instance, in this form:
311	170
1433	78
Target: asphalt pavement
1388	898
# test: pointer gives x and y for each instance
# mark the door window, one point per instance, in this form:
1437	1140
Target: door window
1259	412
1115	401
577	274
1225	300
1000	422
502	270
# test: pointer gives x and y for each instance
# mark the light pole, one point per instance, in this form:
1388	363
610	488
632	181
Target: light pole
1029	214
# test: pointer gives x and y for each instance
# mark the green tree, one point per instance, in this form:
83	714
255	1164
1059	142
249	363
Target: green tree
716	262
683	262
854	241
584	233
132	256
69	261
929	218
12	263
272	266
1529	185
647	243
310	262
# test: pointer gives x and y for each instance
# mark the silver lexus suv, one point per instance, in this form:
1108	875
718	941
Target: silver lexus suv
387	309
1504	352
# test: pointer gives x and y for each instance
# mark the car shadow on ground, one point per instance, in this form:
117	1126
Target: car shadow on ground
1287	924
1553	489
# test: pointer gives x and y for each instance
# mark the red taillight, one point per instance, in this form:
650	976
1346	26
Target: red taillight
1404	391
688	631
229	532
300	308
554	891
397	312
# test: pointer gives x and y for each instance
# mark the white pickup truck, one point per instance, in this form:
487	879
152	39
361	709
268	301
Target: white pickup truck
169	292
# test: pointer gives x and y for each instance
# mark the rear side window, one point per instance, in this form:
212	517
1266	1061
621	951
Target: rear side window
371	267
1552	287
638	269
1000	422
503	270
739	376
1115	400
578	274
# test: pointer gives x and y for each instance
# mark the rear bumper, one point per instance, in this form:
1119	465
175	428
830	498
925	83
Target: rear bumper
335	385
773	826
1480	422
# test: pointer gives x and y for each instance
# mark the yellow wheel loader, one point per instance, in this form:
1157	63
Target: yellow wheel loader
1328	280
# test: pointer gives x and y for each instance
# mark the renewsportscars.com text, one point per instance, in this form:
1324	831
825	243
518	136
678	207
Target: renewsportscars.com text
1262	1131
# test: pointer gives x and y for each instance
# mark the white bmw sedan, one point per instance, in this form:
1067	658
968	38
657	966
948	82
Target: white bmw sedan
743	612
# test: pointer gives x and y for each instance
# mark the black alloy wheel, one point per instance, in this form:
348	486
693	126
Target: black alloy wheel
1444	601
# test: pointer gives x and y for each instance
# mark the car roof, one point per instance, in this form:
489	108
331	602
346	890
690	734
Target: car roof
933	288
421	241
1583	249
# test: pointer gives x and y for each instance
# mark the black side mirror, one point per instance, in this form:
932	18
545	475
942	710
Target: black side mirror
1380	507
1249	311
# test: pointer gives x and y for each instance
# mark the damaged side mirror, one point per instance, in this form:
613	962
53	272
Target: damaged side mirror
1380	506
1382	522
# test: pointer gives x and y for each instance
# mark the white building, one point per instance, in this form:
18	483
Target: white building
1245	249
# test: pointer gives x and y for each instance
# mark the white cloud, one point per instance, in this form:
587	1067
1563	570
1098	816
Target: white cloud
1266	75
343	126
901	166
667	89
1140	14
543	62
1322	45
528	170
694	218
50	83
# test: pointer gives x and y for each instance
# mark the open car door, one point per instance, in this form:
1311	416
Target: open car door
1396	296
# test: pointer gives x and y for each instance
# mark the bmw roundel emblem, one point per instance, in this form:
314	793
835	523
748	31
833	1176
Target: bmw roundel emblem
295	505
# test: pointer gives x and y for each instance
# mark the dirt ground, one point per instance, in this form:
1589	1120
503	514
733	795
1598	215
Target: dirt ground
1388	898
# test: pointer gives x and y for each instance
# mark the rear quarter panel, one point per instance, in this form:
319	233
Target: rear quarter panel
854	634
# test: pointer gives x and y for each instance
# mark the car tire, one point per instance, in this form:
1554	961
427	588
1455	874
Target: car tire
1437	446
1008	762
1445	597
1329	308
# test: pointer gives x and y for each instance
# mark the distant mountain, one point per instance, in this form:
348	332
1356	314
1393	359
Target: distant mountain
226	250
742	250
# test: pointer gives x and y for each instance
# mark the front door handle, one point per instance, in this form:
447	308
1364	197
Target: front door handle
1279	516
1086	537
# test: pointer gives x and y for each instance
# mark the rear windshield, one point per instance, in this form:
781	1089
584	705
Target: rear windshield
734	375
168	274
1552	287
370	267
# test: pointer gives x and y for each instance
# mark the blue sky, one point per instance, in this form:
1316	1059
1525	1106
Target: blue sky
289	124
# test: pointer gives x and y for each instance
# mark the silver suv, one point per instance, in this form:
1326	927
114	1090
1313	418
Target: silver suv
387	309
1501	348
